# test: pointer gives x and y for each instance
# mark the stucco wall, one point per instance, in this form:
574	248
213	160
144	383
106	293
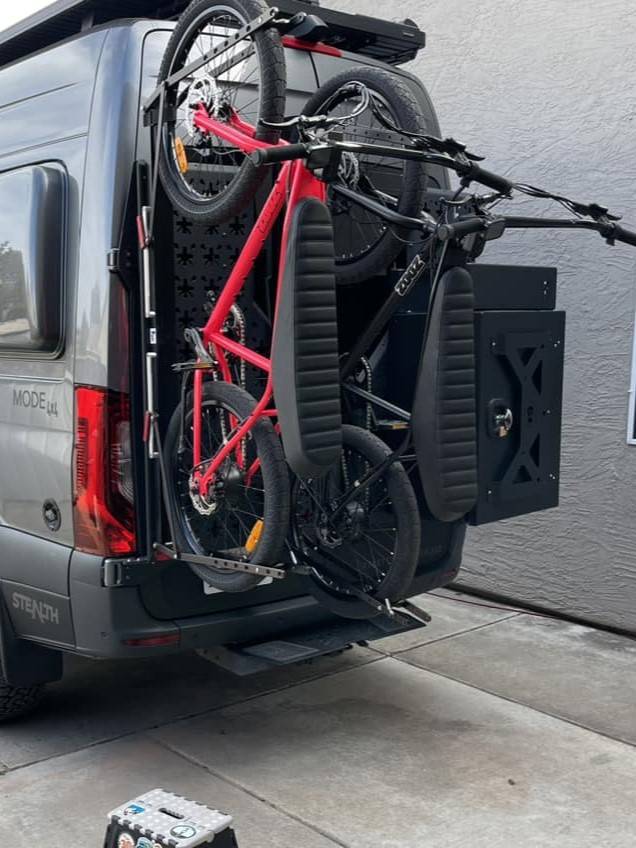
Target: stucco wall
547	89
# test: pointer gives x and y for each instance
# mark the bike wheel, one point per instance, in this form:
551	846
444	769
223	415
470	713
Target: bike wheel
374	546
245	517
365	244
204	177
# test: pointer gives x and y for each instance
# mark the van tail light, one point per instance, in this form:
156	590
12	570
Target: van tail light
103	508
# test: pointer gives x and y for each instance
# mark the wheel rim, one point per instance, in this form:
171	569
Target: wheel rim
212	163
365	538
233	528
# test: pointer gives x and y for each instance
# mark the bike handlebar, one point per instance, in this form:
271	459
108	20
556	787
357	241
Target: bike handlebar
614	232
283	153
467	226
496	182
448	232
468	172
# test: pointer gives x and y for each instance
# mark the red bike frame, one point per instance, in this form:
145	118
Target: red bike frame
293	183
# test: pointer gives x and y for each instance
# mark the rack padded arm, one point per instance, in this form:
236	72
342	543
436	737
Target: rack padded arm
305	366
444	410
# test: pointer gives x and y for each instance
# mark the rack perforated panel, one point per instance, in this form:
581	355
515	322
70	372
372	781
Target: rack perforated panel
203	258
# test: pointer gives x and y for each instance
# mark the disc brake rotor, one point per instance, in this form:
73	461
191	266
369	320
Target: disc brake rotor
349	169
202	505
203	90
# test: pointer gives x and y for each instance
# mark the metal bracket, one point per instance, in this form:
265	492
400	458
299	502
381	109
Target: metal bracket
275	572
112	260
262	21
412	611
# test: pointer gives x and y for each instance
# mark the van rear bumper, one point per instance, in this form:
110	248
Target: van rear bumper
113	622
100	611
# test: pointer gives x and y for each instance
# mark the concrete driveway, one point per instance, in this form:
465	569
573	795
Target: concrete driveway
488	728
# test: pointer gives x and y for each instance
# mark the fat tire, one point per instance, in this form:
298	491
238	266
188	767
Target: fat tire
274	469
400	575
17	701
408	116
273	86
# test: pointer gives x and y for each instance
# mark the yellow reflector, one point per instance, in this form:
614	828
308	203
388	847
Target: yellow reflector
255	536
182	158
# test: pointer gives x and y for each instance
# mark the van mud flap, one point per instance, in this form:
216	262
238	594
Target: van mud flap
330	637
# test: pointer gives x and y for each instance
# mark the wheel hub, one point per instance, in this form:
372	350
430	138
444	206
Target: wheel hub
354	519
227	488
229	485
203	90
349	526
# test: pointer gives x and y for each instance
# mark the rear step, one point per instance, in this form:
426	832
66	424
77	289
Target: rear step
329	638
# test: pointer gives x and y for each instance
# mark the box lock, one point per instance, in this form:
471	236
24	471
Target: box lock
500	418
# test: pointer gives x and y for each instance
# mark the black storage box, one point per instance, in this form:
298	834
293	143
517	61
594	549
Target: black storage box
519	341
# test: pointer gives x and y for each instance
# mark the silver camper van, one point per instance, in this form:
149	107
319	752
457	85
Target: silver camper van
80	495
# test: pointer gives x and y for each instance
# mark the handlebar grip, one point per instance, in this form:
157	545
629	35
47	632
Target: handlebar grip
619	233
488	179
283	153
448	232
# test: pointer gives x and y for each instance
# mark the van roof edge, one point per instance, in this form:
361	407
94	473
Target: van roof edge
385	41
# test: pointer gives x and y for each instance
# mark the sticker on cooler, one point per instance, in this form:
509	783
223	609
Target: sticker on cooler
134	810
183	831
125	841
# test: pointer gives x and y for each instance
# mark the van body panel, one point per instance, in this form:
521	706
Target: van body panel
36	445
33	561
36	393
45	107
108	174
48	96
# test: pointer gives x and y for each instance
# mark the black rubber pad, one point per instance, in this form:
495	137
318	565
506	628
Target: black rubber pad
305	346
444	412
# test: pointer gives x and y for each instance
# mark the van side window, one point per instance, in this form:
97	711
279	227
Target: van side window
32	211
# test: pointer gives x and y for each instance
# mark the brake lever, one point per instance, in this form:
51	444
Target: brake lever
598	213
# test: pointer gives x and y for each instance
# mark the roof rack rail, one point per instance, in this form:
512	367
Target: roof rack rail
386	41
